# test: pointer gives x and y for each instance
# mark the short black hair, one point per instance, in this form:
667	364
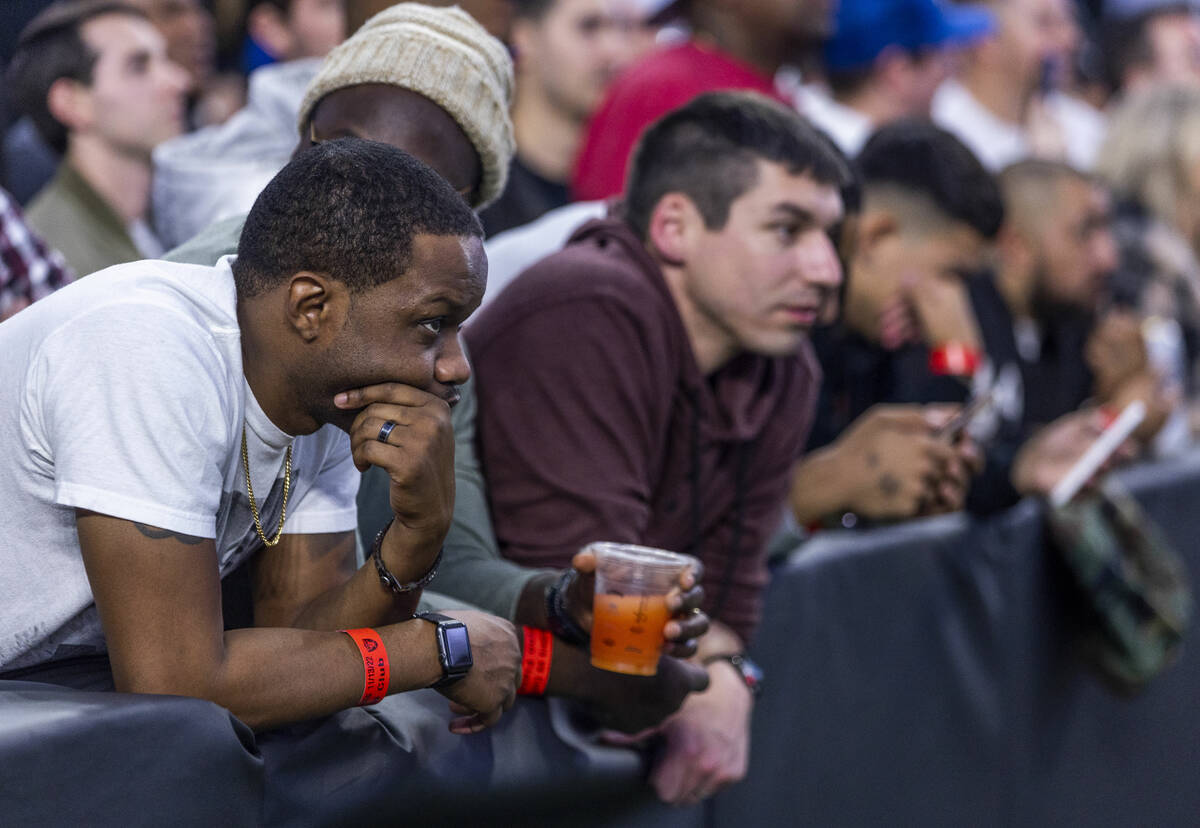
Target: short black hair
917	157
52	47
708	149
348	209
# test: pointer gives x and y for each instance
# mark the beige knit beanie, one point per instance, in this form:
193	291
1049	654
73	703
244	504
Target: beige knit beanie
443	54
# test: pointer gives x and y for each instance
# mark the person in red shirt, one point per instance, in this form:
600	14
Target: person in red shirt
735	44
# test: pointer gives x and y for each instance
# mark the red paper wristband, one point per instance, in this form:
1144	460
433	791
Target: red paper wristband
535	661
954	359
376	673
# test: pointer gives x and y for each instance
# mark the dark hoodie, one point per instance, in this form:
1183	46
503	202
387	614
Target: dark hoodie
595	422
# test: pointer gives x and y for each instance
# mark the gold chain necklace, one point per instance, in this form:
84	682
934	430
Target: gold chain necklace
287	484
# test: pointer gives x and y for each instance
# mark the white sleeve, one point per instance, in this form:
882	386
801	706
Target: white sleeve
329	505
132	403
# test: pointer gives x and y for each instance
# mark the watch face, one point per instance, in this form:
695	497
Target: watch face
458	648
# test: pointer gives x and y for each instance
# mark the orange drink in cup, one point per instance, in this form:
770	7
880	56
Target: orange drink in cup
629	609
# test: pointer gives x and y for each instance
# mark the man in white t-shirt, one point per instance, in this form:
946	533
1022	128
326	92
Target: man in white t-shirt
1007	105
162	423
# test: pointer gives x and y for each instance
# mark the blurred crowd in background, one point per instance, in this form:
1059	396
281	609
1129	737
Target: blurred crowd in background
1023	227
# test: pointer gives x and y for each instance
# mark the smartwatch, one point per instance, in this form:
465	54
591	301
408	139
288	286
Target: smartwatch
751	673
454	647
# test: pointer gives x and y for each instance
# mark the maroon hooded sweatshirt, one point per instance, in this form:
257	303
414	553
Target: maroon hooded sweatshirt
595	422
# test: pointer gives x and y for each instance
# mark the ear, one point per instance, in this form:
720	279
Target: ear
317	306
70	103
1016	254
268	28
874	227
674	224
893	66
522	38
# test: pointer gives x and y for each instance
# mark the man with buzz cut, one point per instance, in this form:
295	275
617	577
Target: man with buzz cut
652	383
165	423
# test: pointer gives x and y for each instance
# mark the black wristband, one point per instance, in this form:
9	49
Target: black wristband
391	581
751	673
558	619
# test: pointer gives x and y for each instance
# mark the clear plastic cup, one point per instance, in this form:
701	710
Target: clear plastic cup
629	609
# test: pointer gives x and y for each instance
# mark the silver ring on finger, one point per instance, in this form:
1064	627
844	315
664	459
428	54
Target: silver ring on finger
385	431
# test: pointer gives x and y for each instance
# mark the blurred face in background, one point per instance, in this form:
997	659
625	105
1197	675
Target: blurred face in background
894	258
309	28
189	30
136	98
574	51
317	25
1035	39
919	76
1175	46
1075	252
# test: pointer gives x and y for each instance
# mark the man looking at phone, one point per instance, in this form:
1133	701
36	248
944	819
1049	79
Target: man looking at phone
132	495
907	338
653	383
1056	257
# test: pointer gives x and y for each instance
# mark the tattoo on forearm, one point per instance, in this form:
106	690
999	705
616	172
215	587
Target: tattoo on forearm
155	533
889	485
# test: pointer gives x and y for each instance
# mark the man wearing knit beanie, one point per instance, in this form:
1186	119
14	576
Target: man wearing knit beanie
428	80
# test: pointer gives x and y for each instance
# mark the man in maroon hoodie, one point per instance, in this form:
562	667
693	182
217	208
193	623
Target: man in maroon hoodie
653	383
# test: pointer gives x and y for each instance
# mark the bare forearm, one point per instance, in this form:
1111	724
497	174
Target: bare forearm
531	606
358	598
817	486
271	677
719	640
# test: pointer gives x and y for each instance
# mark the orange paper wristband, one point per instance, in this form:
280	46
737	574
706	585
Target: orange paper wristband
376	672
535	661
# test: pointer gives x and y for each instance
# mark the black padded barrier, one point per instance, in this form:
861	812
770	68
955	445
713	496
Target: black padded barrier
923	674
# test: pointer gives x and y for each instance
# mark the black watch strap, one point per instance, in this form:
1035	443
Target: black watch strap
750	672
385	575
558	618
454	647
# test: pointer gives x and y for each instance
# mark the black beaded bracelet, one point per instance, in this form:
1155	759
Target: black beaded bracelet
558	619
389	580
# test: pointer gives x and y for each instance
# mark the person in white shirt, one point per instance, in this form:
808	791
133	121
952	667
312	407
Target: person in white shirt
1007	104
161	423
884	63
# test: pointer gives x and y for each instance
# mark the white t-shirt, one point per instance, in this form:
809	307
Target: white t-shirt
510	252
848	127
123	394
998	143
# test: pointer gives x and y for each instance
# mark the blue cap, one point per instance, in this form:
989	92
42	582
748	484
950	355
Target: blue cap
866	27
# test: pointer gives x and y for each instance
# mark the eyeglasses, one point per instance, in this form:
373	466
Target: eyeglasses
465	192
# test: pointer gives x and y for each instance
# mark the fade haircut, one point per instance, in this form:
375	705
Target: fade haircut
52	47
1030	189
348	209
923	161
707	150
